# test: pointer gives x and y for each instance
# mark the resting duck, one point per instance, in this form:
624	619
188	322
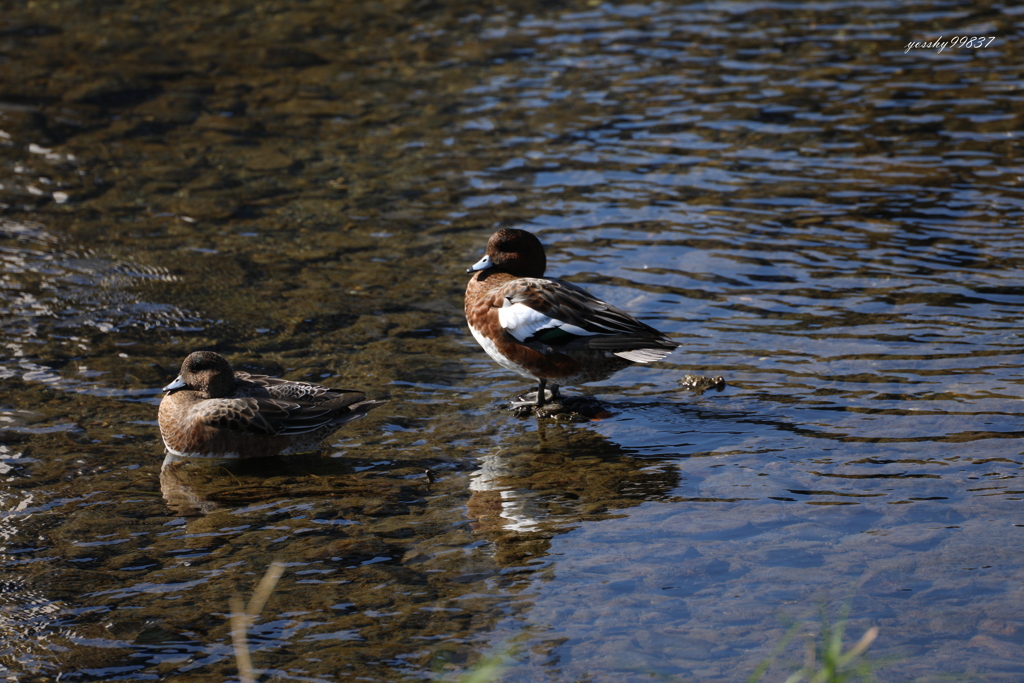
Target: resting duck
209	411
549	329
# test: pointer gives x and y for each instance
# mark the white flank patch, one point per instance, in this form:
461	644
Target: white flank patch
522	322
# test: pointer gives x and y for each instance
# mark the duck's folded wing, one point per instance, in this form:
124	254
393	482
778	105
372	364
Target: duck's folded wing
265	416
542	312
276	387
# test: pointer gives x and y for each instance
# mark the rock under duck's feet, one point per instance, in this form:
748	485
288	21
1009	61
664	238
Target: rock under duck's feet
564	409
698	384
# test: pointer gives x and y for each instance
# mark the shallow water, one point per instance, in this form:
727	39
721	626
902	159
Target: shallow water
827	220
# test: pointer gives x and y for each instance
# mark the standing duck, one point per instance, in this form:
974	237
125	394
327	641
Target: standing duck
548	329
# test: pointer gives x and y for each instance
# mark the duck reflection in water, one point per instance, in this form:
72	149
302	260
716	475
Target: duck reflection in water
183	492
192	488
539	484
211	411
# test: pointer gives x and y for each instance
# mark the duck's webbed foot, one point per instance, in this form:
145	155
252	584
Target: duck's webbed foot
537	399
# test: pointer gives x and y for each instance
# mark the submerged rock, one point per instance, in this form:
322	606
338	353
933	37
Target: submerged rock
698	384
565	408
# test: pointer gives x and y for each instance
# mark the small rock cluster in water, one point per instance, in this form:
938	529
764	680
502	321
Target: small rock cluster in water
698	384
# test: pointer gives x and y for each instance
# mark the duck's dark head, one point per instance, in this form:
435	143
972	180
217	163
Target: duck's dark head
206	372
513	251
